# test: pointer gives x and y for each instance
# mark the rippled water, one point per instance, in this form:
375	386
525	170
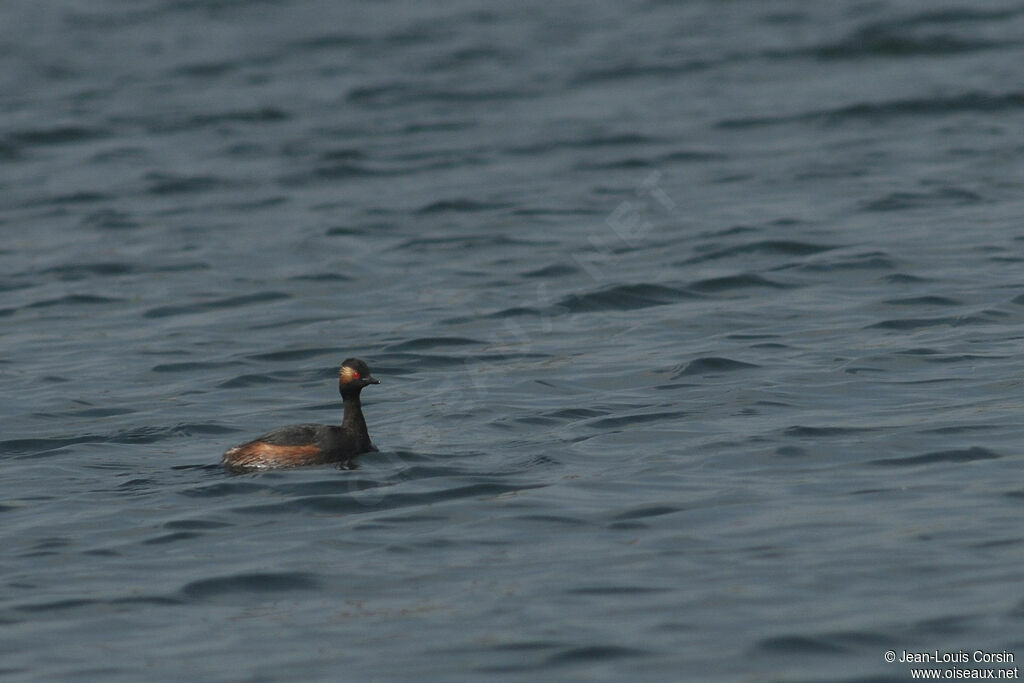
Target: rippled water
699	328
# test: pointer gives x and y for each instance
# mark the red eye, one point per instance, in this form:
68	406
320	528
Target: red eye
355	375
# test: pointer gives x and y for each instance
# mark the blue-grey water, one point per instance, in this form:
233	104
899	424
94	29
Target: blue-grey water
699	326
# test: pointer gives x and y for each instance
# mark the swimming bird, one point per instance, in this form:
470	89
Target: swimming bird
313	444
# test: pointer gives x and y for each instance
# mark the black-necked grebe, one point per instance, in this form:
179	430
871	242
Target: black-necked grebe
313	444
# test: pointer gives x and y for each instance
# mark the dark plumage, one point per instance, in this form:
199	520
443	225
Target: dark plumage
313	444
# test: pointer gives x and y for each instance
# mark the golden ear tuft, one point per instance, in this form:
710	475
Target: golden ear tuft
348	374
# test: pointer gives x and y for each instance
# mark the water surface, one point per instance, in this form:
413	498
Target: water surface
698	326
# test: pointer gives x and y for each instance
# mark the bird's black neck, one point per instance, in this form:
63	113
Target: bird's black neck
353	421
